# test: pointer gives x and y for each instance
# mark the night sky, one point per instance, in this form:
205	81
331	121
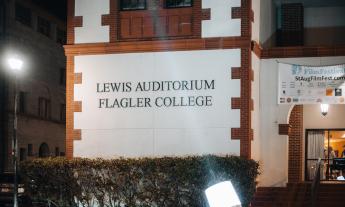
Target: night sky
57	7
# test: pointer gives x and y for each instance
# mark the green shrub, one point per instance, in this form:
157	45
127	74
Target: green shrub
136	182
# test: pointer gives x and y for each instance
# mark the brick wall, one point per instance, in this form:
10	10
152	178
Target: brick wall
295	144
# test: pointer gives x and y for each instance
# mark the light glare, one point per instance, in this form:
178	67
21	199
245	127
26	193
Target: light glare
222	195
324	109
15	64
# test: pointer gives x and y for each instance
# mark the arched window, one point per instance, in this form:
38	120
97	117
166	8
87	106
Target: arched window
44	150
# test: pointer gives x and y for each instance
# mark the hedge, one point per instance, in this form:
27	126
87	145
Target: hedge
169	181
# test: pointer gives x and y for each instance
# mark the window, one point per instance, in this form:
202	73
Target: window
44	151
132	4
57	152
44	108
30	150
22	102
61	36
178	3
329	145
43	26
22	154
63	112
23	15
62	76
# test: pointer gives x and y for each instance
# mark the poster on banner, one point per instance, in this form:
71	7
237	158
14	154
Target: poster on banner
311	84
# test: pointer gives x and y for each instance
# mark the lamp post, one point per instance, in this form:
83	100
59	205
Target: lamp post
15	65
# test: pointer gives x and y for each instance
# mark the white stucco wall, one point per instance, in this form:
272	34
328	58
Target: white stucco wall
274	147
152	131
221	24
256	7
267	20
92	30
313	119
256	143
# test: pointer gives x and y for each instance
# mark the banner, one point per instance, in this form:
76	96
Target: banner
311	85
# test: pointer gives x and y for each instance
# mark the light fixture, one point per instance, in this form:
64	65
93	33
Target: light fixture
15	63
324	109
222	195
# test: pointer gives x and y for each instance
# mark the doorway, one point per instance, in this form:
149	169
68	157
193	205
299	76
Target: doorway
329	145
44	151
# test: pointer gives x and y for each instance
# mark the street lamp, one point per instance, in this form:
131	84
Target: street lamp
15	65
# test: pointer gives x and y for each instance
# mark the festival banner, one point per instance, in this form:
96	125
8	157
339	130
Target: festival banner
311	84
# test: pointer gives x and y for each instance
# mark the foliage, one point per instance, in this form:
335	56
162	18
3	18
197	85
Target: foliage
146	182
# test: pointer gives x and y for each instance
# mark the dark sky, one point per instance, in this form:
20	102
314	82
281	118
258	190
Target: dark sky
57	7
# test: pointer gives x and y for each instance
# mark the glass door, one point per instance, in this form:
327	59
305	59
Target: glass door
329	145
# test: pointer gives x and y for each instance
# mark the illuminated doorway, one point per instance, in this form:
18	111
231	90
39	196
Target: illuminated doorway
329	145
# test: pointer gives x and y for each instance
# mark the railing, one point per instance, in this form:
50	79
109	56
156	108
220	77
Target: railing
316	183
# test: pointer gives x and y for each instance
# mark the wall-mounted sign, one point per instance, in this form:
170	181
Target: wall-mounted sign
311	85
157	104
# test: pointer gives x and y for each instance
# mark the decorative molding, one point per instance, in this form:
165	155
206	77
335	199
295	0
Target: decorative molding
78	21
236	12
235	103
111	20
77	106
297	52
205	14
77	134
252	105
70	106
252	16
157	46
245	132
295	143
256	48
236	133
78	78
236	73
70	21
252	75
284	129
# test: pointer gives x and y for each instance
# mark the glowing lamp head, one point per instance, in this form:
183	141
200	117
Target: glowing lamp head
324	109
15	64
222	195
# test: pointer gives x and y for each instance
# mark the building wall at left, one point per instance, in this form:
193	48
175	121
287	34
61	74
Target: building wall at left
36	37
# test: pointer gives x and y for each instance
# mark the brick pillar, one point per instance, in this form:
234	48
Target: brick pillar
295	144
292	24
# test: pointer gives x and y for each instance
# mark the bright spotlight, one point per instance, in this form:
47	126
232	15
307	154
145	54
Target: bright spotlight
15	63
222	195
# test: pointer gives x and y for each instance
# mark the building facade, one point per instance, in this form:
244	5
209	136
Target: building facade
303	33
30	33
171	46
181	77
